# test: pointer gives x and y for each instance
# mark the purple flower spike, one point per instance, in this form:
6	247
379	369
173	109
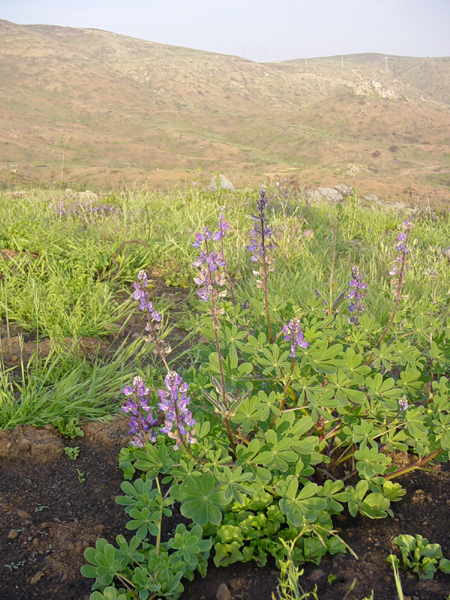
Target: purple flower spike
356	295
142	420
209	263
293	333
174	401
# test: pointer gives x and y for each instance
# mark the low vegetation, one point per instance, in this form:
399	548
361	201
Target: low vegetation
316	350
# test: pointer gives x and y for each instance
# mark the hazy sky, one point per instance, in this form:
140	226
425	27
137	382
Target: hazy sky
258	29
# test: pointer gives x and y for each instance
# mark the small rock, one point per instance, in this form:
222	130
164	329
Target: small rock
345	190
36	577
317	575
330	194
44	525
35	542
341	518
24	444
220	182
24	515
223	593
78	548
370	198
238	584
13	534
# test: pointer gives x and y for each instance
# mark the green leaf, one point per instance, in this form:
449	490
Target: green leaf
200	501
299	506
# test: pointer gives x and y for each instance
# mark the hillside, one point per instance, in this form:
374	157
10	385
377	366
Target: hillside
100	108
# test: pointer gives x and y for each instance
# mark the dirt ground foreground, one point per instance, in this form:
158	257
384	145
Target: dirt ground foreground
49	517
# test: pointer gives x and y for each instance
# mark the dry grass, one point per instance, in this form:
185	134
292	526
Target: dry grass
124	111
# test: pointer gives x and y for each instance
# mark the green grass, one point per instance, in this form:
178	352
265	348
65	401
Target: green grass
68	279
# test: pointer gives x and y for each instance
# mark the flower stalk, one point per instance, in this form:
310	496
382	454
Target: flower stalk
260	246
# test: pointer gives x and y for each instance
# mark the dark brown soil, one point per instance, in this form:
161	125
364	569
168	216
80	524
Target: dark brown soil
48	518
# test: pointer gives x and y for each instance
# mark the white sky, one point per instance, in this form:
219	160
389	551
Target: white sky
262	30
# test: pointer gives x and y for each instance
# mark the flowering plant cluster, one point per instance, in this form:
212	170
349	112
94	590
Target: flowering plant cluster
356	295
402	251
89	209
142	419
251	440
140	293
262	231
293	333
174	402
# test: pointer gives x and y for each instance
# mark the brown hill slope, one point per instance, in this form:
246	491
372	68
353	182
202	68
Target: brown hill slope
100	108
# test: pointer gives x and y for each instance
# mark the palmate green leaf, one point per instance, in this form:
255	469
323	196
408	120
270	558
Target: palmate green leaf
189	544
109	593
144	521
234	483
356	496
406	354
383	357
313	550
331	491
320	403
277	453
104	561
247	458
371	463
231	334
299	506
415	423
154	460
343	392
254	410
375	506
139	495
200	500
351	365
322	358
362	434
274	359
411	382
392	491
129	552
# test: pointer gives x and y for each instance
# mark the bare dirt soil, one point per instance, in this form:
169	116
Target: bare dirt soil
48	518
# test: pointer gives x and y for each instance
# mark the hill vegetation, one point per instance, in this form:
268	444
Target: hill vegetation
95	108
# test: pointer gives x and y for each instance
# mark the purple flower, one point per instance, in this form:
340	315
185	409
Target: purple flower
293	333
142	420
403	403
174	401
402	249
140	293
261	232
209	262
356	295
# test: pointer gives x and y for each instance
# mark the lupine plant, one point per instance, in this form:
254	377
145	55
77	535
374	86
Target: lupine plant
356	295
268	437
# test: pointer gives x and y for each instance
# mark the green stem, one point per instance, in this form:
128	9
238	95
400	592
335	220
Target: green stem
219	355
158	537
